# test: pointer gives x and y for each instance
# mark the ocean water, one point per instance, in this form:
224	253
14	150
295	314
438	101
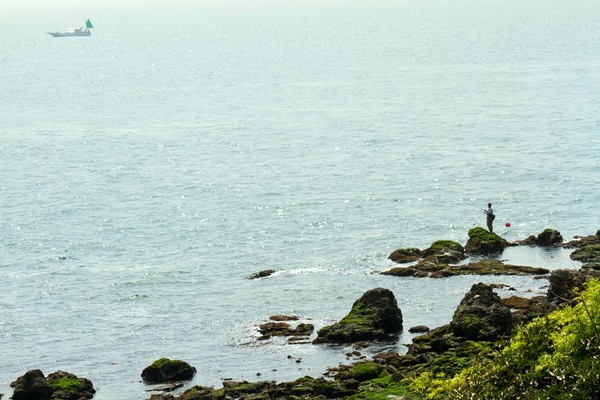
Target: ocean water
148	170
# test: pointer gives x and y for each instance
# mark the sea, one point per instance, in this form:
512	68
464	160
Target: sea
148	170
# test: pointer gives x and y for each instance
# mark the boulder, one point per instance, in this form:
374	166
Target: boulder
373	316
68	386
165	370
481	315
32	386
402	256
529	241
445	251
549	237
483	242
262	274
419	329
565	283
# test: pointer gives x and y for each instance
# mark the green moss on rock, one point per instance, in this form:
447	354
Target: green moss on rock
447	245
166	370
68	383
374	316
483	242
366	370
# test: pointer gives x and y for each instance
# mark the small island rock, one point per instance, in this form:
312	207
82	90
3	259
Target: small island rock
483	242
549	237
165	370
262	274
373	316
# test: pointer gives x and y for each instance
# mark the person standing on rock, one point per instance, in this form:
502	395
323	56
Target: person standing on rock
490	217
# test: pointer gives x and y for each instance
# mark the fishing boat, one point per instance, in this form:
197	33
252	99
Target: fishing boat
75	31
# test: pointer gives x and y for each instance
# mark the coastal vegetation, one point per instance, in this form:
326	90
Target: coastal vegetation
556	356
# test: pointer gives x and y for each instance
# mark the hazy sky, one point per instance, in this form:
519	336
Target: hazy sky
61	14
19	8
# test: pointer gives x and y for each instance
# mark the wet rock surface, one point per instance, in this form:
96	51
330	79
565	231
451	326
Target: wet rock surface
262	274
427	269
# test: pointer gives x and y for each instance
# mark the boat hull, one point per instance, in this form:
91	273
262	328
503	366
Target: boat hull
68	34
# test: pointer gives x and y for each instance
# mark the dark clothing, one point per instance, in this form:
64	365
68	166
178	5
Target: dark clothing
490	219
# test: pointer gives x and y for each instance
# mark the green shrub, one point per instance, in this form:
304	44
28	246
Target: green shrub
553	357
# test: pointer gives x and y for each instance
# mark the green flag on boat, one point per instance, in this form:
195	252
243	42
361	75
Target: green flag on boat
88	24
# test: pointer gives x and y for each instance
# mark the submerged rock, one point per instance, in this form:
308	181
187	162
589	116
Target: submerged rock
483	242
374	316
262	274
271	329
481	315
165	370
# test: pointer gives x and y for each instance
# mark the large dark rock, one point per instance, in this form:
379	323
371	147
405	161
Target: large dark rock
374	316
565	283
165	370
549	237
32	386
481	315
483	242
262	274
402	256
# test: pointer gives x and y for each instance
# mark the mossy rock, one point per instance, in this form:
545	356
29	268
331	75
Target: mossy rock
483	242
166	370
429	269
444	251
366	370
446	245
316	386
68	386
587	254
374	316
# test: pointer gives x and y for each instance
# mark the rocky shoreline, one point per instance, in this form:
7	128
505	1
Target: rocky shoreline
482	322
